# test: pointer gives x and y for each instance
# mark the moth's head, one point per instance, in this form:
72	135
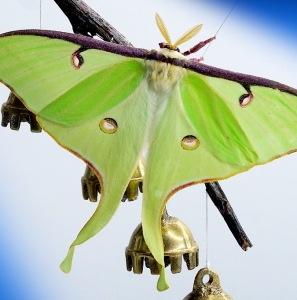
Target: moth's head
184	38
167	46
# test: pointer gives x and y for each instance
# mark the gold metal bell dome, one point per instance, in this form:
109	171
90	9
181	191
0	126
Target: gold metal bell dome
178	243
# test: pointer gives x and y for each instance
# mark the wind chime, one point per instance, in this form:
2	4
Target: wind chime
178	240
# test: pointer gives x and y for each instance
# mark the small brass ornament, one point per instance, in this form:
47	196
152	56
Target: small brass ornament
178	243
14	113
91	186
210	290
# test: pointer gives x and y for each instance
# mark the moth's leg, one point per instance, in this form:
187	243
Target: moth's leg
199	46
198	59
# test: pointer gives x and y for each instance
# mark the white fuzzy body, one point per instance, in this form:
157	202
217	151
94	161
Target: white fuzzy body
162	78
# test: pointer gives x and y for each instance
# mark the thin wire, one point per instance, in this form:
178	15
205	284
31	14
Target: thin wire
220	26
40	12
226	17
206	232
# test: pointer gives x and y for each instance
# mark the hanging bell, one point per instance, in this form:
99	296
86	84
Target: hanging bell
91	186
14	112
210	290
178	243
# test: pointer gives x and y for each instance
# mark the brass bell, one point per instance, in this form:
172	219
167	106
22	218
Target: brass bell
178	243
210	290
91	186
14	112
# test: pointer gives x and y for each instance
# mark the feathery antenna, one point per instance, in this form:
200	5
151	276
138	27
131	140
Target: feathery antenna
184	38
163	30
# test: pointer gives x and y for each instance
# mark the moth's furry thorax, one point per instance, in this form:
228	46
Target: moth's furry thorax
163	76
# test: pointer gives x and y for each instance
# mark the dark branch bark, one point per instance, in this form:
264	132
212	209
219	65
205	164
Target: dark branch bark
221	202
86	21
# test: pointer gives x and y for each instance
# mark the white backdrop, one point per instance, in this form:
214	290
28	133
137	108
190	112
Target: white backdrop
41	208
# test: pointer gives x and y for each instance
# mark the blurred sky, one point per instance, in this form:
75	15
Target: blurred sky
41	208
279	17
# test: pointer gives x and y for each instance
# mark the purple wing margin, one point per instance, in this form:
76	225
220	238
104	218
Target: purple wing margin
90	43
83	41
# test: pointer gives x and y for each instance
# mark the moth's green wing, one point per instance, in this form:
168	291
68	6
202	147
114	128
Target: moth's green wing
232	140
70	104
40	69
241	136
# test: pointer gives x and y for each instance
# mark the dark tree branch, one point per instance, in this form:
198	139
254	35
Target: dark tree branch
221	202
86	21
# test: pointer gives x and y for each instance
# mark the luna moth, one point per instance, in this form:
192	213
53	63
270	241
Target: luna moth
111	105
